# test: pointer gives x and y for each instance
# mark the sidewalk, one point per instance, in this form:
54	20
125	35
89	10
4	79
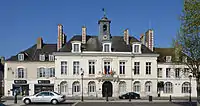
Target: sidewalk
19	102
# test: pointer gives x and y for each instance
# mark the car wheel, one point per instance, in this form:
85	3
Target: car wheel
136	97
54	101
27	101
124	97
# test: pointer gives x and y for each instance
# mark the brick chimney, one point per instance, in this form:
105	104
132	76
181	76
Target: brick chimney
60	37
150	39
84	35
39	43
126	36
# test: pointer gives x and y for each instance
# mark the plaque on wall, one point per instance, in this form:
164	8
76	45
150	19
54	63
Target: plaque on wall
20	81
43	81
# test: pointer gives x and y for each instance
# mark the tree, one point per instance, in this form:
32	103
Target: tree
188	39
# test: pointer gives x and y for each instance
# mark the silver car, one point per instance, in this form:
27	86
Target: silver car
44	97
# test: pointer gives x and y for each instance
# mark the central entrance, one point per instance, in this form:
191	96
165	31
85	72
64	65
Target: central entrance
107	89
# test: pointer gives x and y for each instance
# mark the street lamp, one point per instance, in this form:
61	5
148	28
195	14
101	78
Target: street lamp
190	77
58	88
82	73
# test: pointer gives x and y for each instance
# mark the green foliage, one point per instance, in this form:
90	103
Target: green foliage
188	38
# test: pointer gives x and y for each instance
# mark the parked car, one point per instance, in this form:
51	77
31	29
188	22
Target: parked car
133	95
44	97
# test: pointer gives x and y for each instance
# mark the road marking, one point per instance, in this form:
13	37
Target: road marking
75	104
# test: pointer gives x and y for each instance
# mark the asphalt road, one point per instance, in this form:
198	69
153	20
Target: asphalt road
62	104
134	104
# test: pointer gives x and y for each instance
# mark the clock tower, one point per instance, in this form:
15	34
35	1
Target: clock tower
104	29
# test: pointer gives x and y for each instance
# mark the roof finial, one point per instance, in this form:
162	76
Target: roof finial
104	12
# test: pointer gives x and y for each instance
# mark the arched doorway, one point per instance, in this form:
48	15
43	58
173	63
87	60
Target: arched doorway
107	88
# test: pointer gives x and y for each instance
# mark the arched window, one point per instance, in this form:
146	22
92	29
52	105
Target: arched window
136	86
91	86
148	86
63	87
168	87
122	87
20	73
76	87
186	87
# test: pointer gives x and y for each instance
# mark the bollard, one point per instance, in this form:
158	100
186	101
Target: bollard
150	98
15	100
170	98
129	97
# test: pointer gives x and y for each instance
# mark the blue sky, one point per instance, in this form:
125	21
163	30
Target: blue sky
23	21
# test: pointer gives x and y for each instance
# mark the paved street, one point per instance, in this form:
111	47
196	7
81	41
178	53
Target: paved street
134	104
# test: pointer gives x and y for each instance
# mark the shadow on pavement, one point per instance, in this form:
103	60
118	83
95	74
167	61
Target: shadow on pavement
185	103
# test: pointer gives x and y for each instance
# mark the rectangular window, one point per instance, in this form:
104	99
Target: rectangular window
21	57
76	47
42	57
159	73
136	68
76	67
136	48
91	67
168	72
148	67
186	72
51	72
107	67
20	73
51	57
106	47
122	67
64	67
177	72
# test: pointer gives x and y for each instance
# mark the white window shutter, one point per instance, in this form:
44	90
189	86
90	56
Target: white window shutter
25	73
47	72
38	73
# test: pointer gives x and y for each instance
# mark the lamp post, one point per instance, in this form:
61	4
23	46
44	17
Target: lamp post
58	88
190	77
82	73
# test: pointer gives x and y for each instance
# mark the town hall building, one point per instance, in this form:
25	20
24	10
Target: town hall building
96	64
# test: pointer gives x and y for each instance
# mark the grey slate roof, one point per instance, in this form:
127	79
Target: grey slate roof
92	44
32	53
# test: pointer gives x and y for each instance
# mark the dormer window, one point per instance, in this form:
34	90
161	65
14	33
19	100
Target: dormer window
168	58
136	48
76	46
21	57
42	57
107	47
51	57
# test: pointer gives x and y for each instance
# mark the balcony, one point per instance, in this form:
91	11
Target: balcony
107	77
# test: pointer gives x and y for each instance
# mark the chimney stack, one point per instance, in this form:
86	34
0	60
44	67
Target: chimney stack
60	37
150	39
39	43
84	35
64	39
126	36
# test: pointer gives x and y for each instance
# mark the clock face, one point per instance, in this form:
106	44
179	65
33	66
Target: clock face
105	37
104	27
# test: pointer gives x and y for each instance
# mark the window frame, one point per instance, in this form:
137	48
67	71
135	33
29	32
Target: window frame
122	67
148	68
136	68
168	72
42	57
91	67
21	57
76	67
159	72
63	66
107	67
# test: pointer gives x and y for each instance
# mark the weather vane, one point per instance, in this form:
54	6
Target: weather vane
104	12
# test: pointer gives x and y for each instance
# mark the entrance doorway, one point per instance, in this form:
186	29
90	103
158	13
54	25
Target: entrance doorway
107	89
